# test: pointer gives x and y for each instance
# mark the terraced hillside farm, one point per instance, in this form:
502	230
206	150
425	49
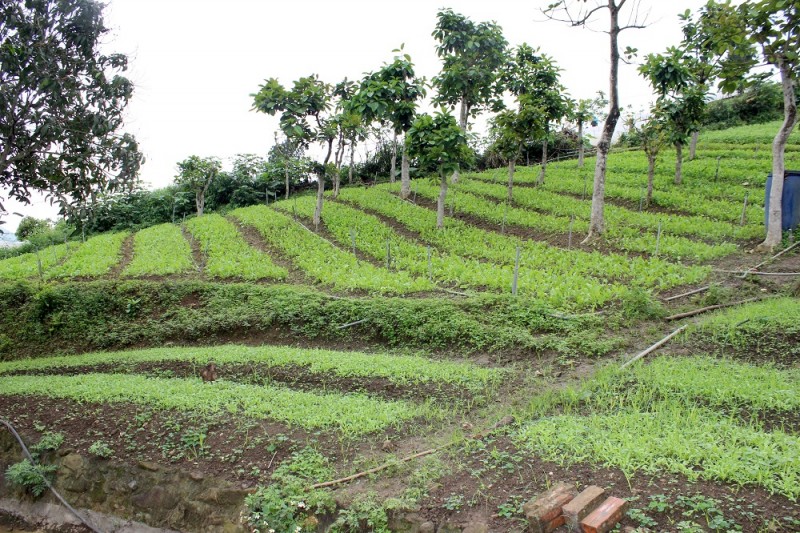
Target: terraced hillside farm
376	373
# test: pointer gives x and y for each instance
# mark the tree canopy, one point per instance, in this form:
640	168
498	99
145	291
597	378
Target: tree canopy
61	104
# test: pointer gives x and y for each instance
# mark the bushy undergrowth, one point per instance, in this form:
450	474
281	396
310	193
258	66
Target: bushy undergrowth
100	315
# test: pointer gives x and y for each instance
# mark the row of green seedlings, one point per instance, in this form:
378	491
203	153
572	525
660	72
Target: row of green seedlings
761	134
630	239
633	190
324	262
96	257
746	327
398	369
619	219
226	253
699	417
463	239
351	414
361	231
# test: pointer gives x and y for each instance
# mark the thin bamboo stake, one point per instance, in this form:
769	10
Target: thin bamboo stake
655	346
695	291
709	308
764	262
752	273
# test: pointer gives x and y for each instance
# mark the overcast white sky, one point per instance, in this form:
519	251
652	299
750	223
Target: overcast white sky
196	62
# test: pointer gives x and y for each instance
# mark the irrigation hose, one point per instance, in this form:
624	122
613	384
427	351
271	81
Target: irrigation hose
28	455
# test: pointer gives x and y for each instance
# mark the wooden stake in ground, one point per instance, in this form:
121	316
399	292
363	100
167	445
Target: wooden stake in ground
710	308
655	346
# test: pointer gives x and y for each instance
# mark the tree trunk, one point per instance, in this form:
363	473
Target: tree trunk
440	202
394	158
580	144
199	202
597	220
678	163
775	216
405	175
693	145
321	185
352	155
651	171
540	182
511	168
463	115
286	175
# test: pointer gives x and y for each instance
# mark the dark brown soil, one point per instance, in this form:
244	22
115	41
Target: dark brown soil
492	481
197	253
127	256
236	449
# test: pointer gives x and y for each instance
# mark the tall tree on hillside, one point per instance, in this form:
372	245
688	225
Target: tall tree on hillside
536	77
511	128
681	98
472	56
308	115
438	142
578	13
195	175
390	95
586	111
288	156
771	29
61	104
532	79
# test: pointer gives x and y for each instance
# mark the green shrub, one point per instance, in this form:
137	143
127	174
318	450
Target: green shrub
29	476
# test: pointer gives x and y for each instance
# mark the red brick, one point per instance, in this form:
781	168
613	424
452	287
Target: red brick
580	507
545	510
554	524
605	517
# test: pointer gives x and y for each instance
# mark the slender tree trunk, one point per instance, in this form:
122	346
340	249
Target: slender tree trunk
405	174
678	163
286	176
463	115
693	145
651	171
200	202
597	220
511	167
540	182
321	186
352	155
775	215
580	144
394	158
440	202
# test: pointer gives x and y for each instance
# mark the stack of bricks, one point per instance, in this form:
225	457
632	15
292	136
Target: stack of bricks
587	512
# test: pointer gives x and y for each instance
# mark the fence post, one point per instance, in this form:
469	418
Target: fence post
658	238
571	222
516	273
744	209
430	264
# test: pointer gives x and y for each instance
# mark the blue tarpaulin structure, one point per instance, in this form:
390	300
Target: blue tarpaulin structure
790	202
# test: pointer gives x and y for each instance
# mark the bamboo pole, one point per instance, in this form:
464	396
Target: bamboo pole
709	308
655	346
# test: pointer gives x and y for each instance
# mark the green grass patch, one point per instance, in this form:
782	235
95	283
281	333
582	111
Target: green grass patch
689	416
352	414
